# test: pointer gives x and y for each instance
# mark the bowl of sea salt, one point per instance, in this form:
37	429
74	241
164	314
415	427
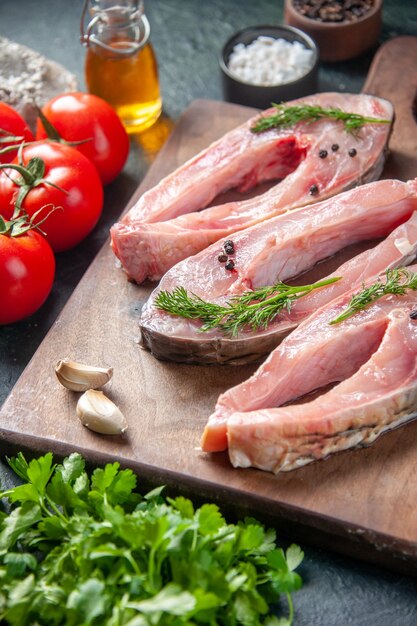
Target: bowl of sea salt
265	64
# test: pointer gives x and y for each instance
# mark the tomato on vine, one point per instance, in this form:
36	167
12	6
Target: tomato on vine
50	173
13	130
27	269
90	123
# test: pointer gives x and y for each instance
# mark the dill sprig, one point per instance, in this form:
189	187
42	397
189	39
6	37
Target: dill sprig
253	309
287	116
397	282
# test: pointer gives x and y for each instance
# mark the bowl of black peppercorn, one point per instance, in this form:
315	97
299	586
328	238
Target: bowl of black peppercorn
342	29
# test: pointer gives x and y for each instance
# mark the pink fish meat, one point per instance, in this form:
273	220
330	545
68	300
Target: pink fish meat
398	249
372	358
167	225
277	250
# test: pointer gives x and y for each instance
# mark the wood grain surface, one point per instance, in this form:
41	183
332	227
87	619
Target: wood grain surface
361	502
393	75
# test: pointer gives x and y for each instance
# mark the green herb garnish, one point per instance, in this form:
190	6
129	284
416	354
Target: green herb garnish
287	116
79	549
397	282
255	309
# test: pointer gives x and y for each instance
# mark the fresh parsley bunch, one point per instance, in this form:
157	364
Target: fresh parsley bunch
86	550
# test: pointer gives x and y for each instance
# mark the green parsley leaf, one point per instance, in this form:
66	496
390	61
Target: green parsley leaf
294	556
18	562
17	523
183	506
171	599
88	601
89	549
19	465
209	519
39	472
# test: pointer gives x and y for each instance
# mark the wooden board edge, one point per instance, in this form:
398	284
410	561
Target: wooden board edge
318	531
384	50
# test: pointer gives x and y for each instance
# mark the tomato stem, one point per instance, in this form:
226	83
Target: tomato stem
32	176
25	173
21	223
7	137
54	135
14	147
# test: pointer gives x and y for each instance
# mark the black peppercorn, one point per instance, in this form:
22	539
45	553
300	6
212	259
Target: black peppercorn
314	190
323	154
335	147
229	247
413	314
333	11
230	265
222	258
352	152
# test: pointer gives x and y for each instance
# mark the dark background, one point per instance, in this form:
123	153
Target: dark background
187	36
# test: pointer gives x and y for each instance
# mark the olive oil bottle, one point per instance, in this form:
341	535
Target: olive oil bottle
120	64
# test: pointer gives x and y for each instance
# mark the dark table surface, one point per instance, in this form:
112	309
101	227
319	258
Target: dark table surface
337	591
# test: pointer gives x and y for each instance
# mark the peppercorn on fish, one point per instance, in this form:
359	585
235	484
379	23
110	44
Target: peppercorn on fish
313	159
278	250
372	358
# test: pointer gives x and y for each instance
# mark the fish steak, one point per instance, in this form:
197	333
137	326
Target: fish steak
312	160
280	249
371	358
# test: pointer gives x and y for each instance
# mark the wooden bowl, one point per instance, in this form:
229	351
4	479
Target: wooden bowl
339	41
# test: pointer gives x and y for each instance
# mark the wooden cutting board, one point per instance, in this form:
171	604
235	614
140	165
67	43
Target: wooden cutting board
361	502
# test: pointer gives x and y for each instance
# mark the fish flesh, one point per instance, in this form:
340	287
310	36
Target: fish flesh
397	250
276	250
371	358
280	249
148	241
167	224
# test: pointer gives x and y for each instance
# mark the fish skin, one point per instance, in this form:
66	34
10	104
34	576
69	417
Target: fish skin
279	249
379	396
166	224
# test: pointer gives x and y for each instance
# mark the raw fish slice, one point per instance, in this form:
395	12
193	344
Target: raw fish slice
278	249
148	245
397	250
379	396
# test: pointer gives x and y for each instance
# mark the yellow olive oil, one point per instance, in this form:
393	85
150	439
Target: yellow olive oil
129	84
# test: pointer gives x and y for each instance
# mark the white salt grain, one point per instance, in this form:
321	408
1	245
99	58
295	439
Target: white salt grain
269	61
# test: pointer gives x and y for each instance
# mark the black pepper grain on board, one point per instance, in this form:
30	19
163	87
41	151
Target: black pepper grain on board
230	265
314	190
333	10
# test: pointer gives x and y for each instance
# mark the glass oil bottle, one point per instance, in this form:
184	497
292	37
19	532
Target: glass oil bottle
120	64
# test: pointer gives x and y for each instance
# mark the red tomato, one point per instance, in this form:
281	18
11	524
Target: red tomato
77	116
27	269
11	123
81	201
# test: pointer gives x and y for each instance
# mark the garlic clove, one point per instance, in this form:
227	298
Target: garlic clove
80	377
100	414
